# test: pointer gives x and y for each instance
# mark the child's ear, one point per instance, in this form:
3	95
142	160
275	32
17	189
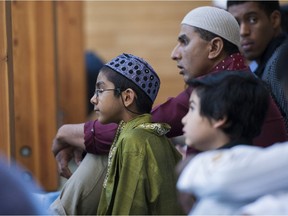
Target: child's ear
128	97
220	122
216	47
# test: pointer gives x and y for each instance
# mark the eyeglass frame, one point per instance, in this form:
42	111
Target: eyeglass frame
100	91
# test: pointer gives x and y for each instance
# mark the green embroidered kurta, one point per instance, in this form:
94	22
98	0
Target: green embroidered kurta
141	171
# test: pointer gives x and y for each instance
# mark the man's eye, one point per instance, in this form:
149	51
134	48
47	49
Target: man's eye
252	20
183	41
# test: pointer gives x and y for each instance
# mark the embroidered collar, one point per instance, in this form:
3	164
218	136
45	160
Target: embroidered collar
232	62
145	121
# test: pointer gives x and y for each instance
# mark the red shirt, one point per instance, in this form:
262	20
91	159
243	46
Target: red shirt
98	137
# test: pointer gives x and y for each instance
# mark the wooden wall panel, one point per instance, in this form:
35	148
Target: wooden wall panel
145	28
34	88
5	132
70	54
47	65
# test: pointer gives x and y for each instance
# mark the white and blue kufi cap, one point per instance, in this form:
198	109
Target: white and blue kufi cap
138	71
215	20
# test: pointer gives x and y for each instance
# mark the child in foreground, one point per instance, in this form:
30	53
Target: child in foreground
227	111
140	177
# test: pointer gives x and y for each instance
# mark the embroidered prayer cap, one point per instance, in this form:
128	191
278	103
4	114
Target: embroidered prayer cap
215	20
138	71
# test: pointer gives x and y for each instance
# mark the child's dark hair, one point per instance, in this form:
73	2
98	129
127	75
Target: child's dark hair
239	96
143	102
267	6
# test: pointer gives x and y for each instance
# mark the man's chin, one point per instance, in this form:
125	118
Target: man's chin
250	56
187	79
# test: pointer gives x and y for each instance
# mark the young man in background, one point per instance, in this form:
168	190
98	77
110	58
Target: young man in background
263	41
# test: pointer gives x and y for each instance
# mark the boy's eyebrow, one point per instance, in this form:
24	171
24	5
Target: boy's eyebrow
98	84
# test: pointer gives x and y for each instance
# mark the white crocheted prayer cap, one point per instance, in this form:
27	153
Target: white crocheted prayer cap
215	20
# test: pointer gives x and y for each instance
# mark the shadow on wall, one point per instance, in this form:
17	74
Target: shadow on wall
93	65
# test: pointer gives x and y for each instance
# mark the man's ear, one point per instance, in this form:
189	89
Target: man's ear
275	18
216	47
128	97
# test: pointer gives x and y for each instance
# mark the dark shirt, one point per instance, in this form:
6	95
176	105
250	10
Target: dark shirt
273	45
273	70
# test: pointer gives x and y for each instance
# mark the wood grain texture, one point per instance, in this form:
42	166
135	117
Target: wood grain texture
5	129
71	77
34	88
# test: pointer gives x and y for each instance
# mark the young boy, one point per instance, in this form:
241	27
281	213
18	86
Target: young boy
140	177
226	109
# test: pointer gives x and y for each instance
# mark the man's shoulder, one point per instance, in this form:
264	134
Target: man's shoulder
278	60
283	44
285	39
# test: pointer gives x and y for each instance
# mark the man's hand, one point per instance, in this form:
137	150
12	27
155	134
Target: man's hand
64	157
68	144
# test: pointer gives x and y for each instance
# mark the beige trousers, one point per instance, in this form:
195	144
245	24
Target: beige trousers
81	193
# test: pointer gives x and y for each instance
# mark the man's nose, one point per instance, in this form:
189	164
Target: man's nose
175	53
244	29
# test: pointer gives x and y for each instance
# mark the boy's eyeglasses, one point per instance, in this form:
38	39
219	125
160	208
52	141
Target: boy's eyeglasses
100	91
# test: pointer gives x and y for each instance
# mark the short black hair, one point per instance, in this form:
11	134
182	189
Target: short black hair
239	96
229	47
143	102
267	6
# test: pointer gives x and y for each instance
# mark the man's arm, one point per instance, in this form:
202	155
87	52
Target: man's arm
69	135
68	144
